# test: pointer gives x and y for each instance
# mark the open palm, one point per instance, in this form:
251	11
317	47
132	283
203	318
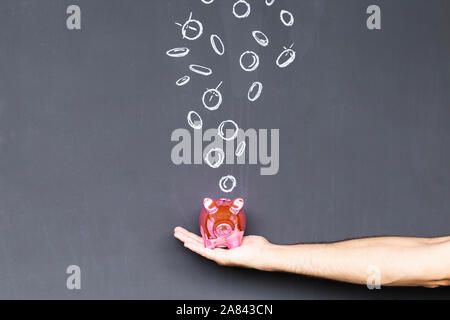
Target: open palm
249	255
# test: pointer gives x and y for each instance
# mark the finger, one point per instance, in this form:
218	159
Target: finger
201	250
183	230
180	236
184	234
185	238
217	255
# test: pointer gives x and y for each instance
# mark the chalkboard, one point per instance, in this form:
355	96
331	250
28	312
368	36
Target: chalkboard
87	116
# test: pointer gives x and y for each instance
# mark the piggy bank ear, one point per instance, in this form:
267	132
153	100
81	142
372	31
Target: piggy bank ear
237	205
209	205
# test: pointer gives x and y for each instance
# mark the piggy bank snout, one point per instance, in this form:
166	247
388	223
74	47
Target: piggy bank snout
223	229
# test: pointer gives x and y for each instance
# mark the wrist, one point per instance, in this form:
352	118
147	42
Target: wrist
287	258
276	258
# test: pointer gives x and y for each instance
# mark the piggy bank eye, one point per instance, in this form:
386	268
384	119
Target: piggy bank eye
238	204
209	205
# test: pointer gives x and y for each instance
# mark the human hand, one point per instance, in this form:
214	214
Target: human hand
255	252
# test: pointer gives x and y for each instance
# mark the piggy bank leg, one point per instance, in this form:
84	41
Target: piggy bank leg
207	243
235	239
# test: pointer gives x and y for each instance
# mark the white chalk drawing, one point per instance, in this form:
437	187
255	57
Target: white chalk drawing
240	149
246	65
261	38
217	44
286	18
183	80
192	29
218	152
212	98
194	120
255	91
227	183
204	71
222	134
286	57
178	52
241	9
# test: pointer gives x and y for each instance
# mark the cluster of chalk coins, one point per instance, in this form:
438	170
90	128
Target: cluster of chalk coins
192	29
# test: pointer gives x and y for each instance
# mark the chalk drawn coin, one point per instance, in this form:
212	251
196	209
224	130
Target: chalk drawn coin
207	1
194	120
218	153
177	52
217	44
204	71
287	18
212	98
286	57
261	38
221	131
183	80
255	91
192	29
241	9
227	183
249	61
269	2
240	149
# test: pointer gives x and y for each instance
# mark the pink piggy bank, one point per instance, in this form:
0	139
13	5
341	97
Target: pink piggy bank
222	223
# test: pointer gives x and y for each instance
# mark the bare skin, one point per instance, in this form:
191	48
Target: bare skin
401	261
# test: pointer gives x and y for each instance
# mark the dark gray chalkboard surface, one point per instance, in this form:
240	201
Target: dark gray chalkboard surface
86	117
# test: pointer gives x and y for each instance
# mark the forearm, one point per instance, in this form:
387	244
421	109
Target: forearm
401	261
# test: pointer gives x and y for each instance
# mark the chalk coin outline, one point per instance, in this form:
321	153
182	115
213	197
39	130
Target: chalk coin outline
287	51
254	65
260	38
192	123
224	180
269	2
207	1
222	134
212	92
242	15
178	52
258	85
202	70
217	44
287	23
189	25
183	81
221	154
